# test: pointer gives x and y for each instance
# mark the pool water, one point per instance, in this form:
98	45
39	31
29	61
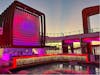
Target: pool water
61	68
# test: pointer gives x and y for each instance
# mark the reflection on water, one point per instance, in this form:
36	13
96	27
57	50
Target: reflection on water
63	68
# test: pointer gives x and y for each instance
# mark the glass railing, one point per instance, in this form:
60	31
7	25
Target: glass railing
71	33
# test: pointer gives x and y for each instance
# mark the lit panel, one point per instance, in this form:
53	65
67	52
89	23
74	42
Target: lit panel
95	42
76	44
26	28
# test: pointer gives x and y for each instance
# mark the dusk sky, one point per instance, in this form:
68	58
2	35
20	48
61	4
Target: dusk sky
61	15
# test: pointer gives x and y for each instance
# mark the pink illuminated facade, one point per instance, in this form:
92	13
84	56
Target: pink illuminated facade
26	29
21	26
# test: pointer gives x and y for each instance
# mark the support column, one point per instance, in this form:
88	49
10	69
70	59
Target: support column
86	47
94	51
72	48
64	47
83	46
89	48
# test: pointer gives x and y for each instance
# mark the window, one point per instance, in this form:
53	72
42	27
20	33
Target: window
94	23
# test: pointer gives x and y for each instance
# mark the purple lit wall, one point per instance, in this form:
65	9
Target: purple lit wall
26	28
39	51
17	51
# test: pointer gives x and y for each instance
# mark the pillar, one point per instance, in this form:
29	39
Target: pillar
83	46
64	47
72	48
89	48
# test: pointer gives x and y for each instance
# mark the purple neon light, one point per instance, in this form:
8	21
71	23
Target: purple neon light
26	28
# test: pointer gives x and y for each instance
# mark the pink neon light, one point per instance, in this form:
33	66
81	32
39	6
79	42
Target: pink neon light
91	39
72	40
26	29
6	57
